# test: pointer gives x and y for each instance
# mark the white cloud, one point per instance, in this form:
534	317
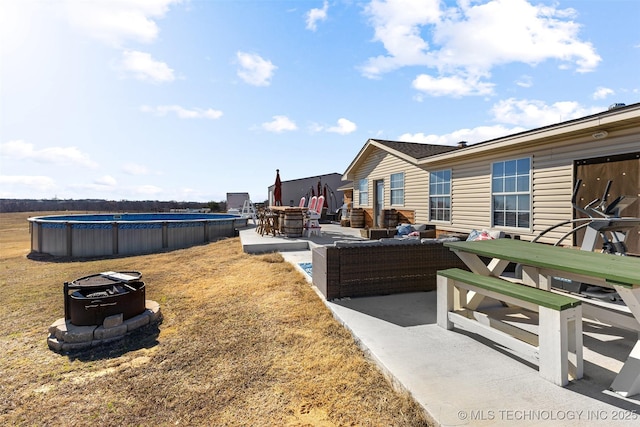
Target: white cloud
512	31
254	69
472	38
12	186
143	67
471	136
135	169
397	25
533	113
525	81
344	127
147	190
115	21
280	124
182	113
21	150
315	128
455	86
315	15
520	114
602	92
106	181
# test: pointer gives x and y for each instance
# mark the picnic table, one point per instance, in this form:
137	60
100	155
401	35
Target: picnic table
541	262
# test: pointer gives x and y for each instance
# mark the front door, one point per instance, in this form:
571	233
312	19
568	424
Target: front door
378	203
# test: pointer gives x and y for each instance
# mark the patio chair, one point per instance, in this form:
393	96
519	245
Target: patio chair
302	200
312	204
311	225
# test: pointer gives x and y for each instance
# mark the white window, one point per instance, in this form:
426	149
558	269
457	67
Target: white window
364	192
397	189
440	195
511	195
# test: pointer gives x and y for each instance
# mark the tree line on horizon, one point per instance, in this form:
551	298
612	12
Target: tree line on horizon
97	205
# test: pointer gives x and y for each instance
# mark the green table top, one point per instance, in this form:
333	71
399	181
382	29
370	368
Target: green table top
624	270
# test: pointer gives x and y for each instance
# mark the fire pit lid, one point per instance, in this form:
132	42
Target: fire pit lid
106	278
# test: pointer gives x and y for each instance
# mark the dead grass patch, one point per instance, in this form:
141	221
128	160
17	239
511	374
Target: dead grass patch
244	341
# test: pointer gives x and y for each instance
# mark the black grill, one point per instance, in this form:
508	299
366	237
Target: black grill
89	300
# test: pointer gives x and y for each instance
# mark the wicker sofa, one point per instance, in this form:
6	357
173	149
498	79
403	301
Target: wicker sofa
386	266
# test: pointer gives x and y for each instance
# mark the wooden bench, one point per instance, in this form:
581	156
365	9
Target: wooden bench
557	346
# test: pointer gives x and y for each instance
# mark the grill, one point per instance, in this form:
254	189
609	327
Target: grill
89	300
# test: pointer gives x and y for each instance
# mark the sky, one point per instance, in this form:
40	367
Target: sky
188	100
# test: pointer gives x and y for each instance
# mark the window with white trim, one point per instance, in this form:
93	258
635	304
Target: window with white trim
397	188
511	193
363	192
440	195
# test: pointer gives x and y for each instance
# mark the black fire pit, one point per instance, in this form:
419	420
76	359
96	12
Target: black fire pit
89	300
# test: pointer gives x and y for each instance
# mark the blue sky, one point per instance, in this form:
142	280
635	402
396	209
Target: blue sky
188	100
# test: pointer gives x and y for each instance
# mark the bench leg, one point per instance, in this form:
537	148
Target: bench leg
445	301
576	361
560	342
627	382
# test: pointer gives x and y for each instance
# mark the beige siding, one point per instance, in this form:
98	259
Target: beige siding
381	165
471	196
552	185
416	193
552	179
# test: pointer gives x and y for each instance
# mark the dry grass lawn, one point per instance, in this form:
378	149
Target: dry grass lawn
244	341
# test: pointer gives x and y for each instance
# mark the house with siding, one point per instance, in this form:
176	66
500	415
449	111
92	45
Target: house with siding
520	184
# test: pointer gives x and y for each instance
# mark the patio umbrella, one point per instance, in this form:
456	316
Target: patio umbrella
277	190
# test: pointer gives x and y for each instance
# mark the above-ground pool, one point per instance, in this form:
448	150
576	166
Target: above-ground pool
94	235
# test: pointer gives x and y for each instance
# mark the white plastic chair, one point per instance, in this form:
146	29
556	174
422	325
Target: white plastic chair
249	211
312	225
312	204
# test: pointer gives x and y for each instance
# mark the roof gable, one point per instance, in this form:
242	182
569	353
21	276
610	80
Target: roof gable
411	152
416	150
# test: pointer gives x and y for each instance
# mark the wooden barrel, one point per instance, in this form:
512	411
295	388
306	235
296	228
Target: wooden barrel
357	218
388	218
281	222
293	223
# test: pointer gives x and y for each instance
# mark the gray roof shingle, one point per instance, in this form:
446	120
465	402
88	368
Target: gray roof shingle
415	149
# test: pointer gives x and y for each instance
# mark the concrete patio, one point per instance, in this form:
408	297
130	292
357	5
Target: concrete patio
461	379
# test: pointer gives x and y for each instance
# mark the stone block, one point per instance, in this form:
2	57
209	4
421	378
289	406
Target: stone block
75	346
154	309
55	325
54	343
70	333
113	321
97	343
101	332
138	321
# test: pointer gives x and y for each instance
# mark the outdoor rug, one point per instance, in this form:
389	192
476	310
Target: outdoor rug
306	266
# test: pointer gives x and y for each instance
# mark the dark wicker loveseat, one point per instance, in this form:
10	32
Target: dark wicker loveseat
387	266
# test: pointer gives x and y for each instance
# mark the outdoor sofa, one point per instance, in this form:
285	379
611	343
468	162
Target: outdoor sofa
380	267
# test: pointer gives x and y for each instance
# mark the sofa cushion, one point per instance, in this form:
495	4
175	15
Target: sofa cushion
485	235
392	241
438	241
356	243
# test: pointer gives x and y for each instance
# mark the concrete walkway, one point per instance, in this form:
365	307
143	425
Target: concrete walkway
461	379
